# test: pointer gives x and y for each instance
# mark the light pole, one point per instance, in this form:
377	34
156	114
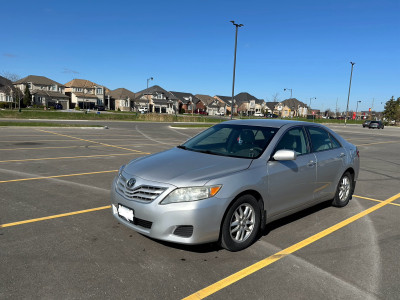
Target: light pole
148	100
357	109
310	107
348	97
290	92
234	65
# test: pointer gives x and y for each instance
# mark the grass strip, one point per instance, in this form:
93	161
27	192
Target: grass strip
127	116
191	125
44	124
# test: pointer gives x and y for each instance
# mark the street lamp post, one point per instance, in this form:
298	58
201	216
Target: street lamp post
148	100
348	96
290	92
234	65
357	109
310	107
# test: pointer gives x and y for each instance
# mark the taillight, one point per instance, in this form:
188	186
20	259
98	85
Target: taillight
358	153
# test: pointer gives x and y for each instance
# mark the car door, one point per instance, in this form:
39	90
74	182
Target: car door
291	183
330	156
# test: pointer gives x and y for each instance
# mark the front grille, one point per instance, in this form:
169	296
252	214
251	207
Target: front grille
184	231
145	193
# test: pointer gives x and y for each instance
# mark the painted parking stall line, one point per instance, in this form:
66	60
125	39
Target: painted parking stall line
55	216
57	176
223	283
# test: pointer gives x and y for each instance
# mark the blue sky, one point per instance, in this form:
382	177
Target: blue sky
188	46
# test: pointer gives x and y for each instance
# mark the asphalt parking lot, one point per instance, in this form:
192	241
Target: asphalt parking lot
58	238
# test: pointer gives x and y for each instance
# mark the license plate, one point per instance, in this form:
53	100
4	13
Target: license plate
125	212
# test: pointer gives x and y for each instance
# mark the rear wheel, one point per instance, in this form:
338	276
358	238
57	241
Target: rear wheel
344	190
241	224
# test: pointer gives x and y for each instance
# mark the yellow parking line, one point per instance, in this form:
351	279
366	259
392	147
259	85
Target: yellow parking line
67	157
374	200
88	140
55	216
57	176
213	288
378	143
65	147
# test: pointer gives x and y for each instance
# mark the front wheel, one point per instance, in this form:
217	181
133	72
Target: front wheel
241	224
344	190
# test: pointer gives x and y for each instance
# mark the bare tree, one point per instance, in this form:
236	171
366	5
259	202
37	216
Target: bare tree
275	97
10	76
15	93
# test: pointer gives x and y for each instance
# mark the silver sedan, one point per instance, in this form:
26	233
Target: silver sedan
229	181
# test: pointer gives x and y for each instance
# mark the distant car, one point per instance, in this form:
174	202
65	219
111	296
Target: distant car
226	183
142	110
258	114
219	113
366	124
58	106
376	124
272	116
99	107
200	112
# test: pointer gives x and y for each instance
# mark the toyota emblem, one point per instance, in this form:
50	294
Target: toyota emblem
131	182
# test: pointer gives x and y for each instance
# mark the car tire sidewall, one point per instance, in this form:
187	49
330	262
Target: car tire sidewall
341	203
226	240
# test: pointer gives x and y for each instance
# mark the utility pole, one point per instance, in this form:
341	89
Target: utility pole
348	97
372	106
336	107
234	66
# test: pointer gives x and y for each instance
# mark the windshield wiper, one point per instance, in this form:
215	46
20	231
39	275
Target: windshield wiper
182	147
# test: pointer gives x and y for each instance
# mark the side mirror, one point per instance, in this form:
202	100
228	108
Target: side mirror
285	155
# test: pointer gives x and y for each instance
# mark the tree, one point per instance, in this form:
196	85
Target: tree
10	76
392	110
27	97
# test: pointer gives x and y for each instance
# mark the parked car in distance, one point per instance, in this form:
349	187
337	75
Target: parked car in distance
376	124
226	183
366	123
258	114
272	116
99	107
219	113
143	110
58	106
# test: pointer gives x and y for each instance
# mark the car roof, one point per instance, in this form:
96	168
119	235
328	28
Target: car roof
266	123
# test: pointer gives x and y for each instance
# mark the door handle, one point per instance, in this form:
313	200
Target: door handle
342	155
311	163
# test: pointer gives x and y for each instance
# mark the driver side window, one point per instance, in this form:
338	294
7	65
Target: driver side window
295	140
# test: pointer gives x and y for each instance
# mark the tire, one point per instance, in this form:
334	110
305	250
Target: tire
241	224
344	190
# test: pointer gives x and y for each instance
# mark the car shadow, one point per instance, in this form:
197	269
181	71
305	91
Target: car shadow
294	217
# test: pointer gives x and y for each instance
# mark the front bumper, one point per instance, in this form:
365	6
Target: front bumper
194	222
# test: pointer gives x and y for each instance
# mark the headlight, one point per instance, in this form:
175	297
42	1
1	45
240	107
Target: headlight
120	170
191	194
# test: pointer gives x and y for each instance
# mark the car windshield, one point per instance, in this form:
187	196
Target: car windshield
232	140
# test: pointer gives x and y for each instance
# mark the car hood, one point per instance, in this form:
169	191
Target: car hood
184	168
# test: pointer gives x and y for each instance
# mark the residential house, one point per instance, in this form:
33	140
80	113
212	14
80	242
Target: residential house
189	103
279	109
45	92
248	104
121	99
297	108
227	100
7	92
157	100
84	93
212	106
